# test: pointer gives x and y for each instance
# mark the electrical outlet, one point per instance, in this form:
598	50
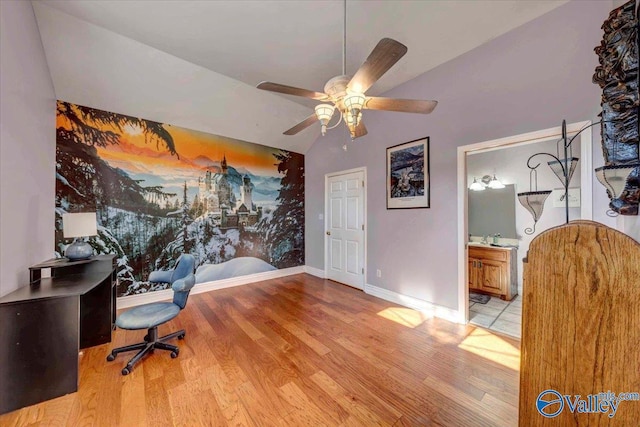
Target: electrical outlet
379	273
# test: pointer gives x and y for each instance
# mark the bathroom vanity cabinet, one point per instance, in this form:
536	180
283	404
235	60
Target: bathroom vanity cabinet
492	270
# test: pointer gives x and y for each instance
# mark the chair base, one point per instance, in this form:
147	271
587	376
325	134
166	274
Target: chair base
151	342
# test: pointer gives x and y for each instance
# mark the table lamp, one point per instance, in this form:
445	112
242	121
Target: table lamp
79	226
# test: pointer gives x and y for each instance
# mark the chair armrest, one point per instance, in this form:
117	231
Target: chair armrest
160	276
185	284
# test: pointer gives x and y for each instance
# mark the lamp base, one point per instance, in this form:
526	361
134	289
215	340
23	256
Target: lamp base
78	250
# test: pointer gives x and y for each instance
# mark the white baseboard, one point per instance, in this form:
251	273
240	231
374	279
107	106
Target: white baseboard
314	271
385	294
166	294
416	304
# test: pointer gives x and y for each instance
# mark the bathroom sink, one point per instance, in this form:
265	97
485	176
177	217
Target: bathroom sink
502	246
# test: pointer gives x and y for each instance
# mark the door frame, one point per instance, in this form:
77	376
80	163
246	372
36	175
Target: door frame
586	193
362	169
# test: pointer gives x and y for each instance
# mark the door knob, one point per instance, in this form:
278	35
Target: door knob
328	233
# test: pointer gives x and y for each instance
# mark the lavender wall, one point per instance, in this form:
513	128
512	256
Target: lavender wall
27	146
526	80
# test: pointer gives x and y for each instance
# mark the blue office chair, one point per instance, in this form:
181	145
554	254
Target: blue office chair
184	265
150	316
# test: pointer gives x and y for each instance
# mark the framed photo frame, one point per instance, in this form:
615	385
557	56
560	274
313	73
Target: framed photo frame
408	175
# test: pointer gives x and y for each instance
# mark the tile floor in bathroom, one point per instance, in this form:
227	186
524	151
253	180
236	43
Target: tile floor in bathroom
498	315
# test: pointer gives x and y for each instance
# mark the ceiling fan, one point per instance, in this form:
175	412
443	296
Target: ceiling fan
347	94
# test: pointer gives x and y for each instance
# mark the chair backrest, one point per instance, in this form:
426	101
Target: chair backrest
181	289
185	265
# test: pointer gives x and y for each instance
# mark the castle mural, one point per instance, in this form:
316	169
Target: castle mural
219	201
161	190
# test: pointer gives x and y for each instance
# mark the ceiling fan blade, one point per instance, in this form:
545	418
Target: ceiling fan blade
386	53
402	105
302	125
290	90
361	130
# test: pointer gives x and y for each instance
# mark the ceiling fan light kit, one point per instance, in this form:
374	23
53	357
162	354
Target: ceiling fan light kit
324	112
353	105
347	94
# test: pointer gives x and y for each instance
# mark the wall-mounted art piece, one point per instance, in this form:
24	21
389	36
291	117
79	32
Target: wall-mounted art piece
408	175
617	75
161	190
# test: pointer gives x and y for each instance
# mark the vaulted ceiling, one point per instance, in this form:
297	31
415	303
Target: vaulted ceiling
196	63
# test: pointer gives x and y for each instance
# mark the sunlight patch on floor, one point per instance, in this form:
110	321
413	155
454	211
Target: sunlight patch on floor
404	316
492	347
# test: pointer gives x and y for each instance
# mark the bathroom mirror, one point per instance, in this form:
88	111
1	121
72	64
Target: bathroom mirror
493	211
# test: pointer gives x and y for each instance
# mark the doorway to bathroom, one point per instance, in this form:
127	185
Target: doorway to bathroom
491	222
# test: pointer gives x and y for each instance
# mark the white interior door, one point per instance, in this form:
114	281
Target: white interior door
344	238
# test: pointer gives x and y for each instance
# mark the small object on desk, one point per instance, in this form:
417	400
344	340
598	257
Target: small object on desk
79	249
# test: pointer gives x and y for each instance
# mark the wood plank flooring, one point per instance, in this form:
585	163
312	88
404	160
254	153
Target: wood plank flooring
296	351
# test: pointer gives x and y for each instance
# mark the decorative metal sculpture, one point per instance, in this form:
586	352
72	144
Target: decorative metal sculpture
617	75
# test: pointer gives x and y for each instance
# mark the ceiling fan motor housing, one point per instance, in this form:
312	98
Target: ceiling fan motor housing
336	88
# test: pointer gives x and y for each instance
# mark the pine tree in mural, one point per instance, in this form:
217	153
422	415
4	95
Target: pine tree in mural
284	234
85	182
187	243
85	124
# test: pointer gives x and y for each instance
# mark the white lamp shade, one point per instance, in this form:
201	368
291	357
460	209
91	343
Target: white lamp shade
354	100
348	118
79	224
324	112
614	178
353	103
476	186
563	166
533	201
351	124
495	183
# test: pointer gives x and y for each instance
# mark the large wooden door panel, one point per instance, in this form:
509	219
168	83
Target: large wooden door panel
580	318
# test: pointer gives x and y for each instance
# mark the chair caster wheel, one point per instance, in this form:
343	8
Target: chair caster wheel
146	338
111	358
126	371
181	336
174	354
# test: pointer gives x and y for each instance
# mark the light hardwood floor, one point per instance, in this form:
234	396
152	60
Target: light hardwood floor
296	351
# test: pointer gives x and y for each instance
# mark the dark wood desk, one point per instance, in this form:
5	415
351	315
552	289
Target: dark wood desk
44	325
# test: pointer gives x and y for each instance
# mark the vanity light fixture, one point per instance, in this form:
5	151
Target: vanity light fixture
476	186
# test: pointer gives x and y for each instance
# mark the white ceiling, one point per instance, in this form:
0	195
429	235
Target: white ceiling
298	43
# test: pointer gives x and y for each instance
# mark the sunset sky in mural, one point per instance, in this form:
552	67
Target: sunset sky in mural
189	144
142	159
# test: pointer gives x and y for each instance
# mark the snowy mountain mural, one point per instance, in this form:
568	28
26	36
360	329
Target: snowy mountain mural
161	190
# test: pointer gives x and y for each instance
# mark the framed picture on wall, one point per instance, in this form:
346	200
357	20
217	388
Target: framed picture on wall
408	175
